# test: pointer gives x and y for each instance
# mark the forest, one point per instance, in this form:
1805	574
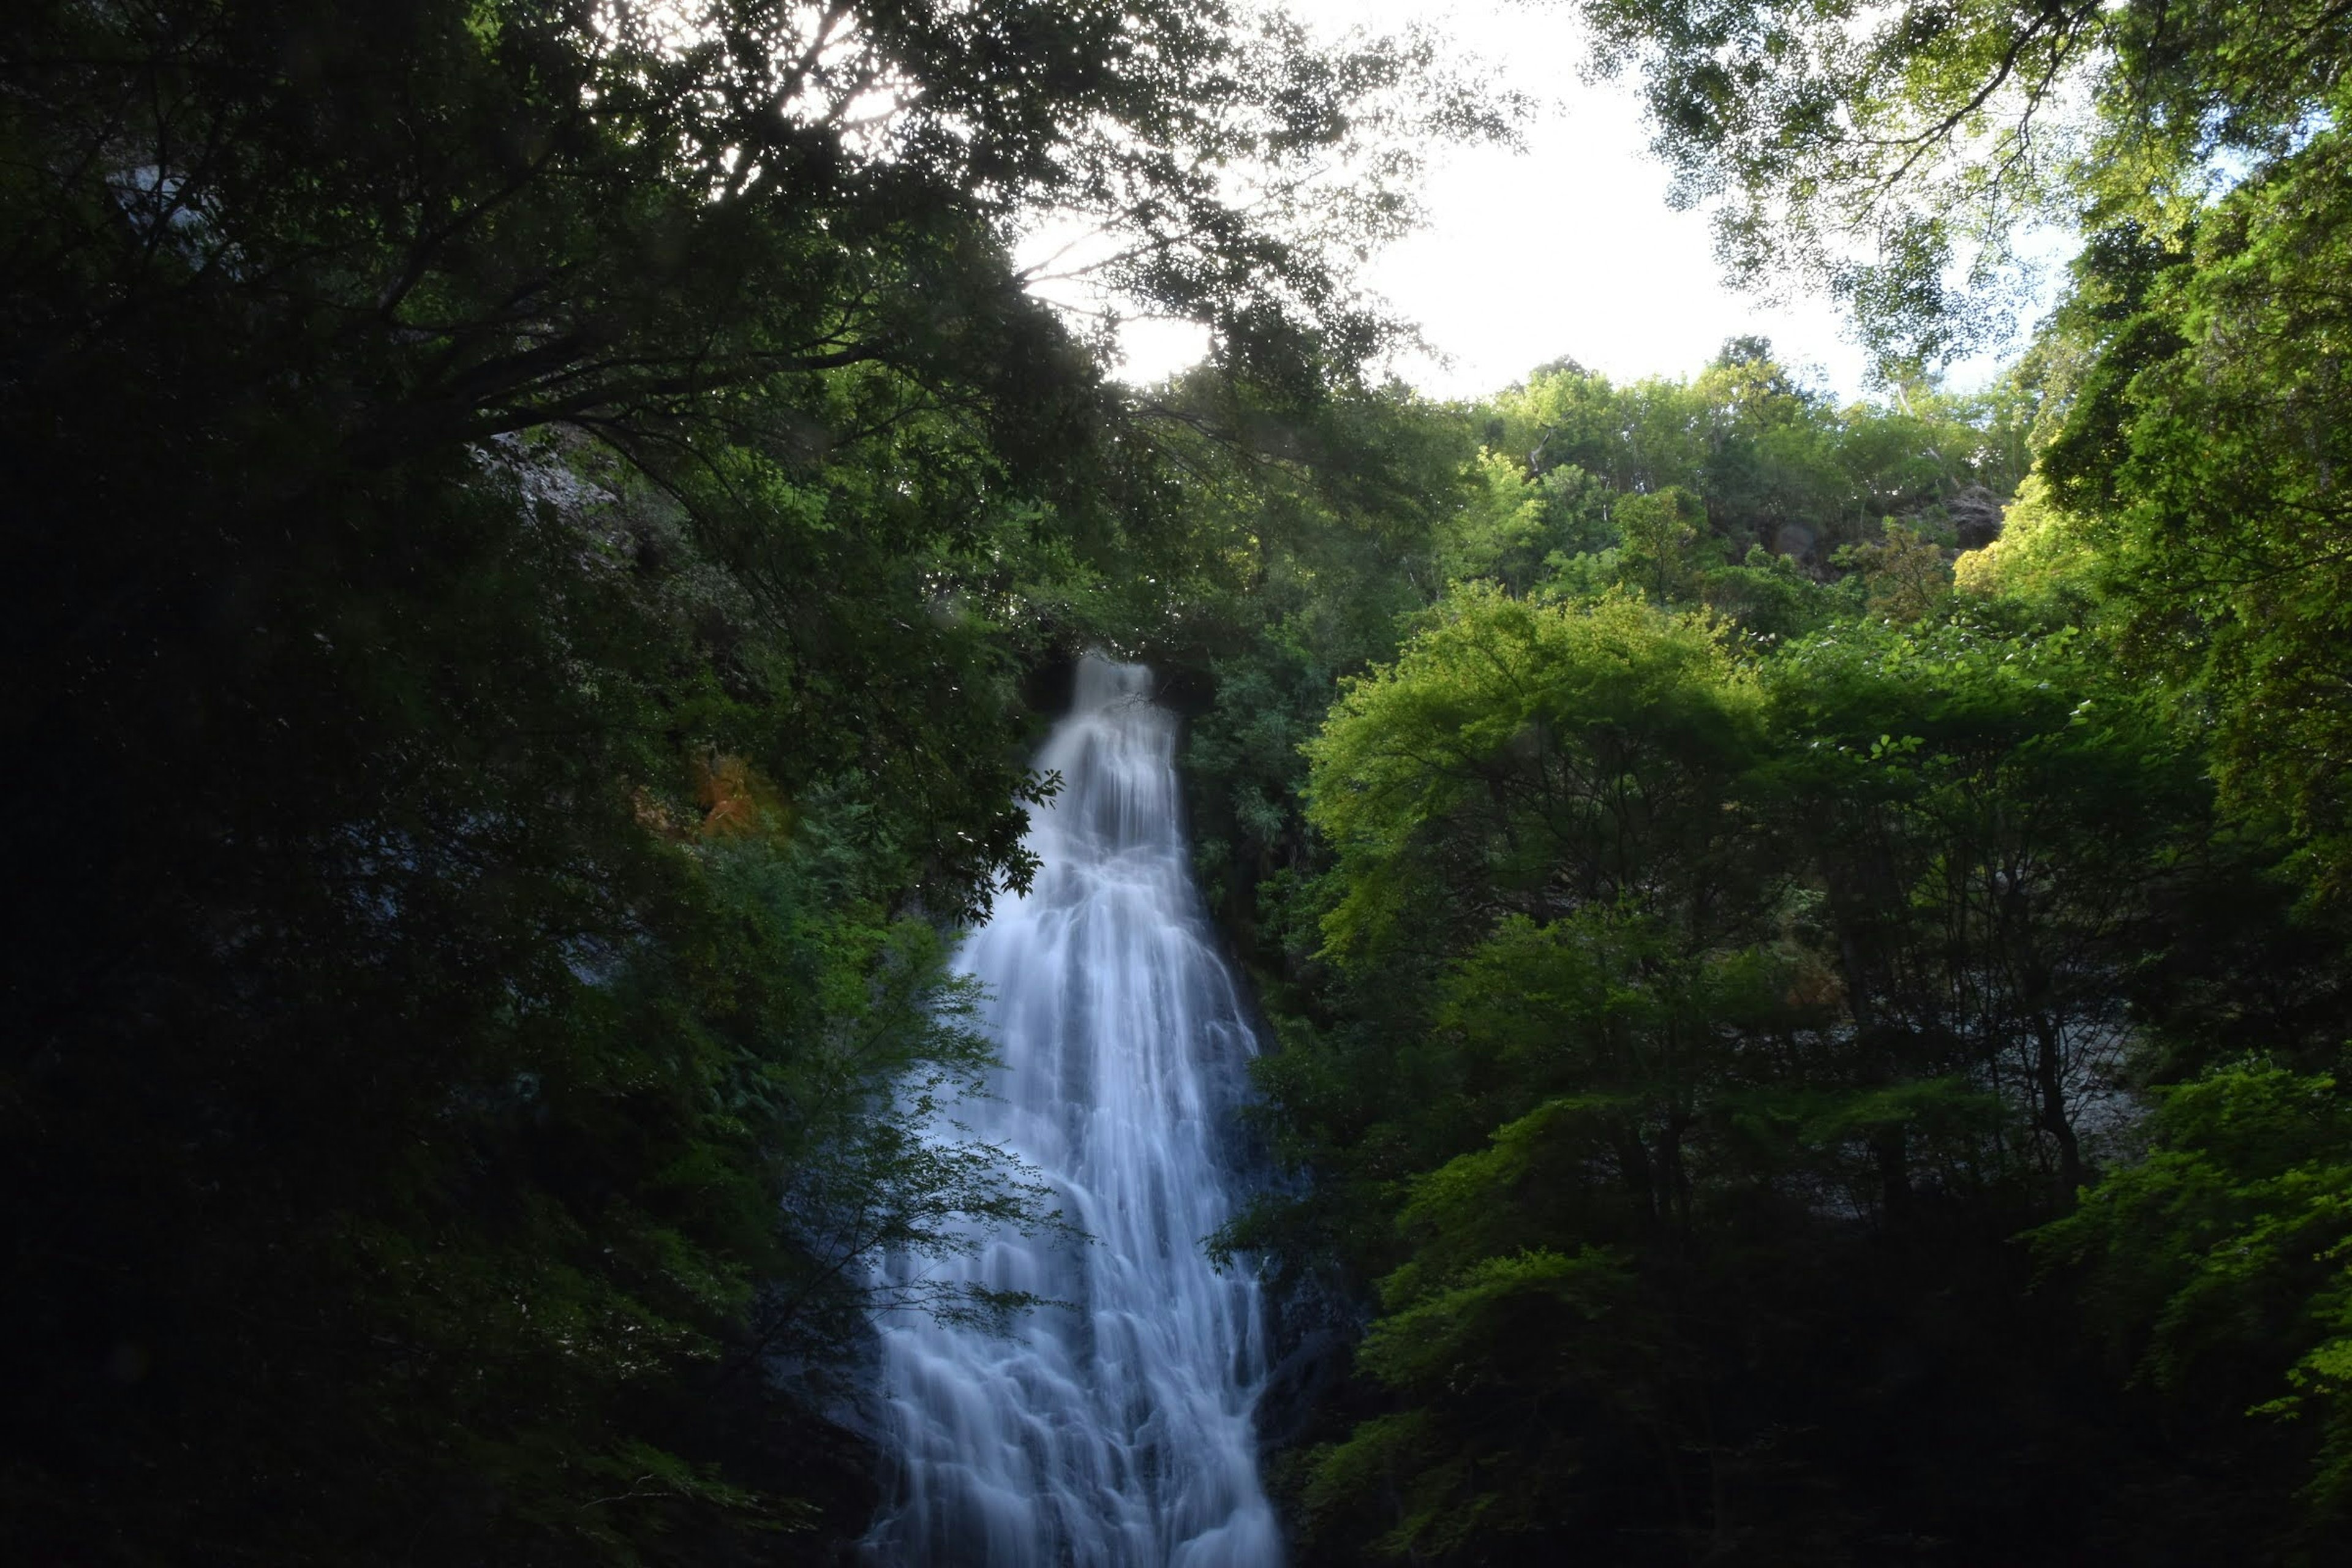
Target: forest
1802	942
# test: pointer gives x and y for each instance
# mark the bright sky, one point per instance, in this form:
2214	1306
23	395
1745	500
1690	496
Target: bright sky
1566	248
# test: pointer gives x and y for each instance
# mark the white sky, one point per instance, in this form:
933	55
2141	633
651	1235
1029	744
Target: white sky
1567	247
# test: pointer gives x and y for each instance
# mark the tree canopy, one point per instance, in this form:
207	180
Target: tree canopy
1804	940
539	528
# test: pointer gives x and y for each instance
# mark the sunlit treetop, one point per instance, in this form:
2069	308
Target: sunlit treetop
595	210
1902	154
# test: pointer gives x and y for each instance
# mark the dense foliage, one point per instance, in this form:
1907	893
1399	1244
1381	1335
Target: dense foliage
1806	941
1706	936
535	524
1810	998
1912	157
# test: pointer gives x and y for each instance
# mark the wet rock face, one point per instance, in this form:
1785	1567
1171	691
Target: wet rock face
1293	1402
1792	539
1976	514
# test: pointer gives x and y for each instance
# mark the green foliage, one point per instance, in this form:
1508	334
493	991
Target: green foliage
1652	969
1905	574
1904	160
539	522
2219	1263
540	527
1656	534
1525	749
1690	977
1761	874
2201	462
492	1071
1516	529
2041	559
1464	1484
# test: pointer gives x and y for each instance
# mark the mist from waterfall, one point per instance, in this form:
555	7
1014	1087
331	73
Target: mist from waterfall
1113	1431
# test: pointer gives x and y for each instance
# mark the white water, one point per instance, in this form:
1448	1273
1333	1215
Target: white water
1113	1432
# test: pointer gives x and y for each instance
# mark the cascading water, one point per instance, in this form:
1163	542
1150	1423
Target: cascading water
1113	1431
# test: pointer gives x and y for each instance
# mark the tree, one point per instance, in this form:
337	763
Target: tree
1992	821
2215	1265
1535	848
553	662
1690	1013
2200	463
1659	530
1899	162
1905	573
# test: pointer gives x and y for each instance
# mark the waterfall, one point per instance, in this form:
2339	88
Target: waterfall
1114	1430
